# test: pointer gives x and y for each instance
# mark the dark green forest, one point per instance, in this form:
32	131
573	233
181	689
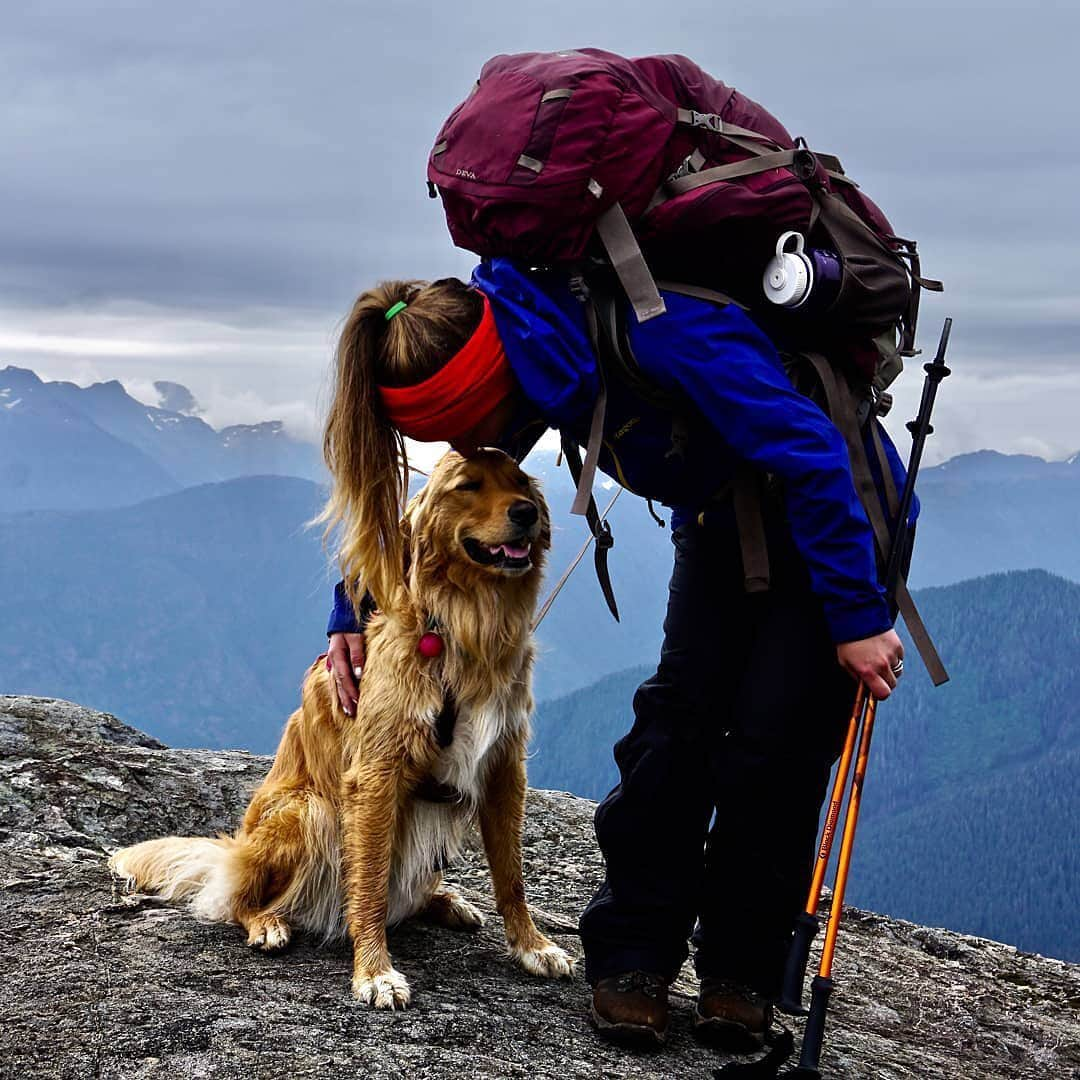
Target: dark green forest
973	793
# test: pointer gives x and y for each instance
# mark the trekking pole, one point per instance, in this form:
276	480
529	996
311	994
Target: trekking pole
822	985
808	923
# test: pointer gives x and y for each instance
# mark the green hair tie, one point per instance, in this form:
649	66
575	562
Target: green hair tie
392	311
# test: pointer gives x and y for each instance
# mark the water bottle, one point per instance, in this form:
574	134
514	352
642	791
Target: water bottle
802	278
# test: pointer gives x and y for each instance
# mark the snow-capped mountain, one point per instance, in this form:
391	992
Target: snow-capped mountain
64	446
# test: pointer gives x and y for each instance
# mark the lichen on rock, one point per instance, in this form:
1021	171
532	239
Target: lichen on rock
101	984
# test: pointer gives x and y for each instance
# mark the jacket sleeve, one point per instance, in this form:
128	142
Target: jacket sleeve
343	619
723	363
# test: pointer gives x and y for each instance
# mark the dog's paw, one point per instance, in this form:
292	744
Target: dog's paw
269	933
450	909
461	915
387	990
545	959
123	878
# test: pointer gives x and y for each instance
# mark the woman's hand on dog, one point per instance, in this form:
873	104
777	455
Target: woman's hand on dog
345	661
873	661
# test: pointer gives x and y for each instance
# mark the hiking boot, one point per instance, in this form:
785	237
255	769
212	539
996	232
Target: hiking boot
632	1008
731	1016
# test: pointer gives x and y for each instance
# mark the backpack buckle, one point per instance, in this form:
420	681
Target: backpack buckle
709	121
804	165
579	288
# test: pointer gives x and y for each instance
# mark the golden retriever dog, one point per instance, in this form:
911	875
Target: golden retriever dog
358	815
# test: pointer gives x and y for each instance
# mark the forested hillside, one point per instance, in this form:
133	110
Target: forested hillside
194	615
972	798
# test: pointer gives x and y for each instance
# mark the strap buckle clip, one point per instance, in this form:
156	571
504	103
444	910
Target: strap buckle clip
603	537
709	121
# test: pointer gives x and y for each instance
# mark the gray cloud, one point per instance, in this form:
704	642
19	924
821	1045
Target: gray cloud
264	162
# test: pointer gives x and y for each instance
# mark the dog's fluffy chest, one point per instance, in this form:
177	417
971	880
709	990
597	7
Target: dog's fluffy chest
478	730
431	833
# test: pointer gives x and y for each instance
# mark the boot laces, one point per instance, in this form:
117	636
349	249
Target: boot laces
643	982
730	988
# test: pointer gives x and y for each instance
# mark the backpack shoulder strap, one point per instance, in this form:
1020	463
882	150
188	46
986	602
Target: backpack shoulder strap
616	360
746	498
625	254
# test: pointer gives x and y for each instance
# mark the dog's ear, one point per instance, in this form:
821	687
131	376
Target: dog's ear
537	495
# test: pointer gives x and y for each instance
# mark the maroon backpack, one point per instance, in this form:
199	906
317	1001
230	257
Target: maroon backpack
676	174
554	155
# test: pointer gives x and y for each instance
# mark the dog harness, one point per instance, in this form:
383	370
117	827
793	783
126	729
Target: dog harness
429	789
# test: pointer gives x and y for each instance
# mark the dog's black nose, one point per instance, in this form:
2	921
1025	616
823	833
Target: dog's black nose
523	513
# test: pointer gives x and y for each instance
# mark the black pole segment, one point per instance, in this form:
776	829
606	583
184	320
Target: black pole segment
920	428
781	1047
806	928
814	1035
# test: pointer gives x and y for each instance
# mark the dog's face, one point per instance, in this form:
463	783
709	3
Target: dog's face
480	515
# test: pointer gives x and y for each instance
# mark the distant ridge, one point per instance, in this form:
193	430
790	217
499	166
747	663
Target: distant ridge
64	446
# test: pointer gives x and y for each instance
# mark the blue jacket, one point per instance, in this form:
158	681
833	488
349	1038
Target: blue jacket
745	408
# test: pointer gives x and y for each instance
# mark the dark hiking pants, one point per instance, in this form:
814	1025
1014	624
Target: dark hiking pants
744	717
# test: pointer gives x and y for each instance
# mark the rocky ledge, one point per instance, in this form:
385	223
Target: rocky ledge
96	984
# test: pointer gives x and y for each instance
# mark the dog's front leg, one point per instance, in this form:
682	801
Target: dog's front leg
502	821
369	809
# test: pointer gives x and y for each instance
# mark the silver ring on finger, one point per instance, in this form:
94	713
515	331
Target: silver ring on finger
898	668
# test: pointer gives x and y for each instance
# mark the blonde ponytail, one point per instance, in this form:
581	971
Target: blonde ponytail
364	452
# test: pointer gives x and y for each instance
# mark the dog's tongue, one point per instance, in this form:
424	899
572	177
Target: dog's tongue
510	550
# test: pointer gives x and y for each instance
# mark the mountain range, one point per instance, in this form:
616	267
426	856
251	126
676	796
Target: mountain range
197	613
67	447
985	512
98	451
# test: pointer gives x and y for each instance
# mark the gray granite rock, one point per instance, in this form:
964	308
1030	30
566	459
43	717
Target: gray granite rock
95	984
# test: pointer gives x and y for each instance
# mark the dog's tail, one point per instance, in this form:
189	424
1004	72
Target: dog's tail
192	868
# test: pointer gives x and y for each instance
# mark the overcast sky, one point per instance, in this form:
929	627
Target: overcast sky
197	192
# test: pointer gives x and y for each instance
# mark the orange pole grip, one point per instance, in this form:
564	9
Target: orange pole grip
847	842
828	830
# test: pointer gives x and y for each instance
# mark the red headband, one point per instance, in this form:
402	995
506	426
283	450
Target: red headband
460	394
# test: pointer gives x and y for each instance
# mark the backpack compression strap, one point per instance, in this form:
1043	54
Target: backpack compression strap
617	236
842	412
